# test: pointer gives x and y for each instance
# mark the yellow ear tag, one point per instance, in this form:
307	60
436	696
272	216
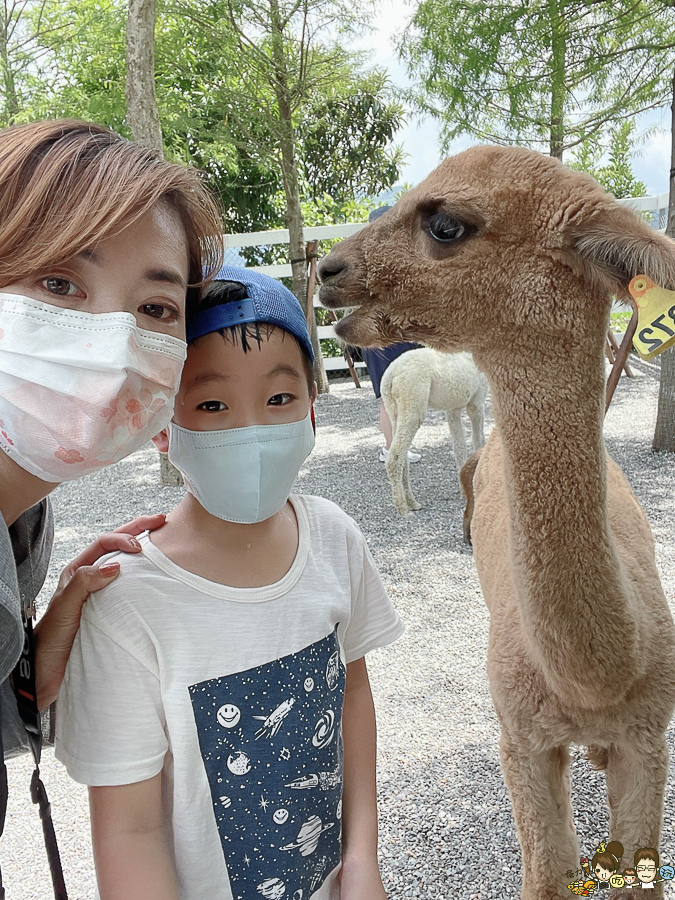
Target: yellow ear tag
655	331
617	881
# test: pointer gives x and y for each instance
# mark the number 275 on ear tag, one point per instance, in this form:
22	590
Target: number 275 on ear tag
655	331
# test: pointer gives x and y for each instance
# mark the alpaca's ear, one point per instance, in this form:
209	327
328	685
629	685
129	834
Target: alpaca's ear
618	245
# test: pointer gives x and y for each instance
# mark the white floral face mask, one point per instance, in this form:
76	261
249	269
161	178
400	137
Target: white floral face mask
80	391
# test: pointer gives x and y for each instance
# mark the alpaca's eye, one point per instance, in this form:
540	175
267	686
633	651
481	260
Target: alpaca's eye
445	228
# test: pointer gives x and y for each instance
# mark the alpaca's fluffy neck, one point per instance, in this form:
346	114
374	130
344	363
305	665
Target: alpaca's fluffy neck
548	406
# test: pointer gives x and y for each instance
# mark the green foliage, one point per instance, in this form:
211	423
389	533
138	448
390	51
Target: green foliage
616	175
217	109
355	129
619	321
551	72
330	347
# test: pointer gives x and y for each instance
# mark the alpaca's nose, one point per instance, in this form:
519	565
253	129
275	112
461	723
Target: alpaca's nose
330	266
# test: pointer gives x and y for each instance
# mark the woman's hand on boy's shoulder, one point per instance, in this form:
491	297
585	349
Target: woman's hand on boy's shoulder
122	539
56	630
360	879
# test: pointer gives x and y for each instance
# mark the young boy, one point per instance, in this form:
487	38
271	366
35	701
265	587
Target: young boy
204	695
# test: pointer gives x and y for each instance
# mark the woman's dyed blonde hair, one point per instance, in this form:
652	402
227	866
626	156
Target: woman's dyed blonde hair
65	185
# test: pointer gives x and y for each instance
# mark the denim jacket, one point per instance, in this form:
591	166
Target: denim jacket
22	574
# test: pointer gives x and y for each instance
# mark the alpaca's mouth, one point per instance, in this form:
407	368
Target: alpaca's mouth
333	297
360	330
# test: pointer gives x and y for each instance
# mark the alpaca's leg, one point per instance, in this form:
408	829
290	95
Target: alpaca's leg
396	464
539	785
454	417
636	783
476	413
409	496
466	474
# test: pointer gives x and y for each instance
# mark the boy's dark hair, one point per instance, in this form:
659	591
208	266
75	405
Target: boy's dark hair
218	293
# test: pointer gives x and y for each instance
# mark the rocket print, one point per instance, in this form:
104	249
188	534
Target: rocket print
271	743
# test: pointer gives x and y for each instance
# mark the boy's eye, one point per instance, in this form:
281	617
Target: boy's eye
158	311
61	286
280	399
212	406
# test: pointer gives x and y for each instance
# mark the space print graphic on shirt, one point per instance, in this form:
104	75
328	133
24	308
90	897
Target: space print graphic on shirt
271	742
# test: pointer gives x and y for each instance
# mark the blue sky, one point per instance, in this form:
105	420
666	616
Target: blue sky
420	138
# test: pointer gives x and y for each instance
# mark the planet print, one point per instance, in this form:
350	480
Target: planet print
239	763
272	888
308	836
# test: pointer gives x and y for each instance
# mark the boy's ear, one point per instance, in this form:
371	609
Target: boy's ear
311	406
161	441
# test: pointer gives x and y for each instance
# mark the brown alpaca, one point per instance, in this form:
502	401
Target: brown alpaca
514	257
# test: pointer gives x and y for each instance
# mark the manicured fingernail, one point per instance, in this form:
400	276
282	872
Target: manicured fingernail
109	569
134	543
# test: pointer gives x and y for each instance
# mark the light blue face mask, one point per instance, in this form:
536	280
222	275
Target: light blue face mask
242	475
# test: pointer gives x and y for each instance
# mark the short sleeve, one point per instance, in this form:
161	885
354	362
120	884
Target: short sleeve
374	622
110	725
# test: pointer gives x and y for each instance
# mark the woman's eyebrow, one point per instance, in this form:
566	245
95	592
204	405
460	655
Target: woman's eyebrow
165	276
90	256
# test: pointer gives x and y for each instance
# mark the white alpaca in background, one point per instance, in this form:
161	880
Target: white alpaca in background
425	378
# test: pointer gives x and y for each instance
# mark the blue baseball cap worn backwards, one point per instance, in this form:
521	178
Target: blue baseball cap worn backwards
267	301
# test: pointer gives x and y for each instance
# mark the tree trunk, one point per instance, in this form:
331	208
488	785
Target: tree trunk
291	180
8	83
664	433
142	113
143	118
558	52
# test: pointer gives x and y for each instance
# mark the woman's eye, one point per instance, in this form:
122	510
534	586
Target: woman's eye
212	406
280	399
157	311
61	286
445	229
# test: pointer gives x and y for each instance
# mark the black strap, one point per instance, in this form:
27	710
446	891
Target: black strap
39	796
26	698
3	796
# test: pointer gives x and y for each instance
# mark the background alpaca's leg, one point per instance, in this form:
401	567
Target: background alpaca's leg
405	426
636	783
539	785
466	474
475	410
409	496
454	417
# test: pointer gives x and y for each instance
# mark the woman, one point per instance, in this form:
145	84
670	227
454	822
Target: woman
605	863
101	243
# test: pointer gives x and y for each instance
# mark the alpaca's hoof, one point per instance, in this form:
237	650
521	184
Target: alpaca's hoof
416	505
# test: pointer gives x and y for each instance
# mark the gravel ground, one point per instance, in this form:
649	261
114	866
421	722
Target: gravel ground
446	825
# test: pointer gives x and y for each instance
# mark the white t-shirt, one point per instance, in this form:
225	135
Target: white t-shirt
235	695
